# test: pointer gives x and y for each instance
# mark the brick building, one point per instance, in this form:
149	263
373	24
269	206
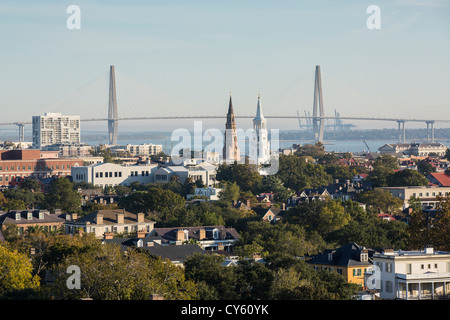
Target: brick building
18	164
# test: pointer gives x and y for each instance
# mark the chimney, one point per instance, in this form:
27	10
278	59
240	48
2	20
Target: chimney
428	250
202	234
141	233
108	235
155	296
120	217
284	206
99	219
388	251
140	217
180	235
248	203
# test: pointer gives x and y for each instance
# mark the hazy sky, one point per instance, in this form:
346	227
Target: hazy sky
197	52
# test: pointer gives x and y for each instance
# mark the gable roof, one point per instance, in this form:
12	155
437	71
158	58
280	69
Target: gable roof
345	256
173	253
441	178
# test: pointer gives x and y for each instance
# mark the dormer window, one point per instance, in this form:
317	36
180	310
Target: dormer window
330	256
216	234
364	257
186	235
29	215
17	216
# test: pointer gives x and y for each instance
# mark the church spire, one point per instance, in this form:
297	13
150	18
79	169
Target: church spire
259	114
230	107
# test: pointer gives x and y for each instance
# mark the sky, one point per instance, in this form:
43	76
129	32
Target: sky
198	52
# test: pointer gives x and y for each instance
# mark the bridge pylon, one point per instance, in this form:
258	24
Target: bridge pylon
318	121
113	122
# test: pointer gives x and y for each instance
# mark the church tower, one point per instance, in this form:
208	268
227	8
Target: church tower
261	135
231	151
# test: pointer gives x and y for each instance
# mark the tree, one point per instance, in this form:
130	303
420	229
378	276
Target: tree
297	174
61	195
246	176
217	282
314	150
418	225
406	177
380	199
107	274
272	183
230	192
383	167
322	217
441	224
14	204
425	168
15	272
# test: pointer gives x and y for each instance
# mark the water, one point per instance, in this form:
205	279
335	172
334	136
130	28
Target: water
330	145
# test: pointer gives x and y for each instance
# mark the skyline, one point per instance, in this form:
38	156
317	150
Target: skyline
198	52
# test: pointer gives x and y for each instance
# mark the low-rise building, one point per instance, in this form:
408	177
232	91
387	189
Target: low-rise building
110	174
146	149
351	261
416	149
426	194
208	237
108	222
24	219
411	275
19	164
212	194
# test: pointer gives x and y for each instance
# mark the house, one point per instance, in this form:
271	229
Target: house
204	172
441	179
271	214
212	194
208	237
24	219
360	177
176	254
411	275
108	221
351	261
386	217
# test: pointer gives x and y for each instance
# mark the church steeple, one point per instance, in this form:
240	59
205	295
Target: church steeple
231	151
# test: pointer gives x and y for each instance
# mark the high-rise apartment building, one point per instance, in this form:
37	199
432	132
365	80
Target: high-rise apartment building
54	128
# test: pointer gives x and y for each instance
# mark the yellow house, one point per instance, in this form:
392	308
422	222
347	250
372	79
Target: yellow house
351	261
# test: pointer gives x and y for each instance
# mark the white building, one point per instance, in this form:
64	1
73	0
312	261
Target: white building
146	149
204	172
54	128
211	193
426	194
110	174
416	149
411	275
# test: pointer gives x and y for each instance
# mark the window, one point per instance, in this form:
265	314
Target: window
388	267
408	268
435	265
389	286
101	174
96	174
339	271
115	174
356	272
422	266
132	173
120	174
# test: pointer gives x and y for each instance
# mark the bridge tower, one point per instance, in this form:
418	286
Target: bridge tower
430	124
318	121
113	123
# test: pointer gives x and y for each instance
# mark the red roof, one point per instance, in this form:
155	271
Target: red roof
442	178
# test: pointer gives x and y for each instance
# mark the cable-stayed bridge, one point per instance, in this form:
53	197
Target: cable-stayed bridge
114	89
